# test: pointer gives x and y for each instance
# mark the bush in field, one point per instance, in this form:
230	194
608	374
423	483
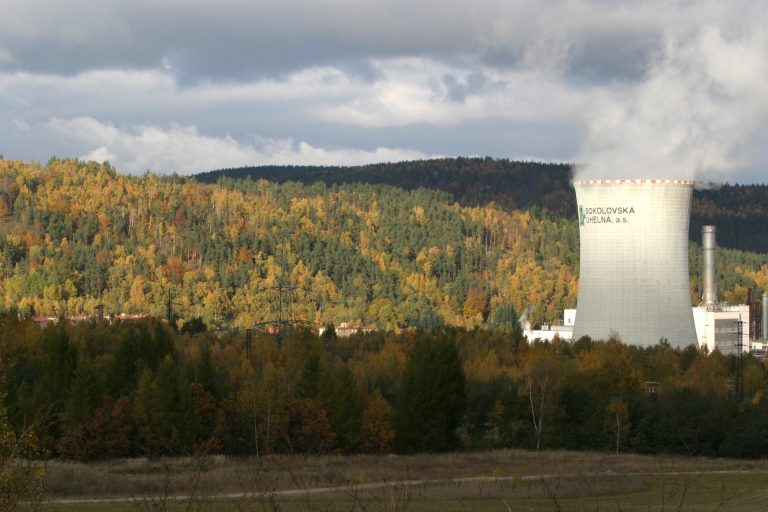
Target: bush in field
21	479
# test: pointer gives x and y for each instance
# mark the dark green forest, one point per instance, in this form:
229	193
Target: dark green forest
740	211
469	181
98	390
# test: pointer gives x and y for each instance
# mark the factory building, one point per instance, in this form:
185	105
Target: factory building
634	274
722	326
726	329
548	332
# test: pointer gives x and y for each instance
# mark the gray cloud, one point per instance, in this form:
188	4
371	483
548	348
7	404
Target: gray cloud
246	39
222	40
508	78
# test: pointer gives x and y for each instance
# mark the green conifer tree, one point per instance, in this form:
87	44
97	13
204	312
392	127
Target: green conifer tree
431	398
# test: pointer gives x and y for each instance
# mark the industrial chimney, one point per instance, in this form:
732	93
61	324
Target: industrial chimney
633	277
765	316
709	295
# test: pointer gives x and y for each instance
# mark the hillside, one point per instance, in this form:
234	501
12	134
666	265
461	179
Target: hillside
470	181
740	211
76	235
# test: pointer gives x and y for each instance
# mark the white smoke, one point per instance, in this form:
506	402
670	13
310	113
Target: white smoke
695	115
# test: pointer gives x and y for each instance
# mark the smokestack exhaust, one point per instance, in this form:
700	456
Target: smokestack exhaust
709	296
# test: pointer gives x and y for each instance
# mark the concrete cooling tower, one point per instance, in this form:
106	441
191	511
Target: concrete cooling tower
633	278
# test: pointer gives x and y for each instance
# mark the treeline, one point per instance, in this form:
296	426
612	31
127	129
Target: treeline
469	181
96	391
75	236
739	211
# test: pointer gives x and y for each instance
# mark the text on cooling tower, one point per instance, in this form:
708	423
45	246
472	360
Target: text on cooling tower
603	214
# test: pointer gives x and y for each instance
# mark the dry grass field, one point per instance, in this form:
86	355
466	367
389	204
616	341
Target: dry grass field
501	480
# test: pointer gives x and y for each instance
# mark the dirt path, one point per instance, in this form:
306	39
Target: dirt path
356	489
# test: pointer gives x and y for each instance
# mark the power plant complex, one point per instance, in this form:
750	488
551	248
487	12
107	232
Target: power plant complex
722	326
634	280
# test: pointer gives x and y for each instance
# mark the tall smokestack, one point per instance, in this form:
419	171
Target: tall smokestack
709	297
765	316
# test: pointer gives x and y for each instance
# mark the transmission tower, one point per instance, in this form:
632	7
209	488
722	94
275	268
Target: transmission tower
284	321
169	306
249	344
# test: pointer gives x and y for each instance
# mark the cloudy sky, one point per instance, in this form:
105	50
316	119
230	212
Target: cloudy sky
656	88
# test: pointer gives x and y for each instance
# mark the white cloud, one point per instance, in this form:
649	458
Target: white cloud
21	125
419	90
185	150
100	154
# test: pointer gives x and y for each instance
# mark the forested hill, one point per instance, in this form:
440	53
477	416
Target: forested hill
74	235
470	181
739	211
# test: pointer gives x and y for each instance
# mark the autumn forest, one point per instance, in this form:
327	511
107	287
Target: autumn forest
241	251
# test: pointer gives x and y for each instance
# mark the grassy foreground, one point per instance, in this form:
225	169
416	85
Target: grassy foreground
494	481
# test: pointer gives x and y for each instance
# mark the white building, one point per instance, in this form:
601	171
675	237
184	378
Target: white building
347	329
549	332
714	328
720	328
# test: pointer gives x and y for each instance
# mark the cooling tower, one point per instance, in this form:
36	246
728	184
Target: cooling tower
633	280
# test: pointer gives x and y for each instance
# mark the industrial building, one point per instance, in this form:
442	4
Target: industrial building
548	332
720	326
726	328
634	274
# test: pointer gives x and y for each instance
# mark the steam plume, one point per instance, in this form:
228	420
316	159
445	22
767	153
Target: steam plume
694	116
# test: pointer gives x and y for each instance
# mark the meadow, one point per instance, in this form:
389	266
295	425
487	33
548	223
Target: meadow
500	480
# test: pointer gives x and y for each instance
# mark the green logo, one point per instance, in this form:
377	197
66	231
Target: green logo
582	215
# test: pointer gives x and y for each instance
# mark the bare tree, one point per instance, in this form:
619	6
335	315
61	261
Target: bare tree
542	371
619	414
